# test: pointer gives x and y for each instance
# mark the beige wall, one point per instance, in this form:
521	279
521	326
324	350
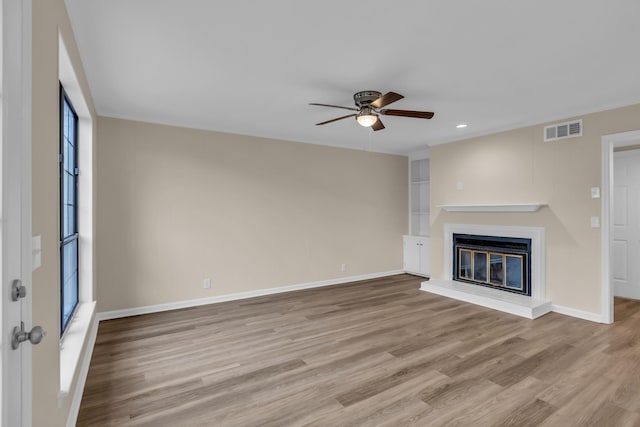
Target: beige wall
176	205
519	167
49	16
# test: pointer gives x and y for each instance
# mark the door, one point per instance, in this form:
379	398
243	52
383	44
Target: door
15	207
411	254
626	224
425	258
416	254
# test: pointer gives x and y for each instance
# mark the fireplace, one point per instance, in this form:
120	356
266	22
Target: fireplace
512	280
493	261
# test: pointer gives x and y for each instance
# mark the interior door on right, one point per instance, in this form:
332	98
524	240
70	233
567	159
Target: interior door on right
626	224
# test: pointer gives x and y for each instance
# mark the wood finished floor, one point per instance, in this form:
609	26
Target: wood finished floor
372	353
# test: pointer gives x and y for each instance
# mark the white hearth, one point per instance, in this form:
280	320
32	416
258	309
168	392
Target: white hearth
530	307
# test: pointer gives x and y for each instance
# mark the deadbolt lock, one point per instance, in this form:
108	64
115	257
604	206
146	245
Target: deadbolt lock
18	290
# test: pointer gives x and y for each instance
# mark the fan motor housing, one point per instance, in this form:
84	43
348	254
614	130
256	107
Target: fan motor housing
366	97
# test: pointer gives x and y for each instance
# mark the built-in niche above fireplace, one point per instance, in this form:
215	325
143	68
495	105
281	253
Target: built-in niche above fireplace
496	262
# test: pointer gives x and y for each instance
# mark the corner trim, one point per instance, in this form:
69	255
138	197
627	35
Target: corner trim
585	315
115	314
74	409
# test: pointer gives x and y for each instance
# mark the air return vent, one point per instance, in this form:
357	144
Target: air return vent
563	130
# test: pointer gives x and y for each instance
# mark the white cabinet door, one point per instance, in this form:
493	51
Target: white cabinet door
411	254
416	255
425	256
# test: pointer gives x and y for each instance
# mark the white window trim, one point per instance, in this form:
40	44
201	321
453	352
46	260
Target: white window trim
71	346
73	342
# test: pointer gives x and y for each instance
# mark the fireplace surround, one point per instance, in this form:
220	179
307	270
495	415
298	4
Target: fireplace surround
532	304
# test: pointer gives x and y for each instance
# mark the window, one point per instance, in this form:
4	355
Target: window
79	326
69	290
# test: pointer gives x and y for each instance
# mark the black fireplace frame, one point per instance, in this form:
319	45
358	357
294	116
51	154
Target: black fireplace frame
516	246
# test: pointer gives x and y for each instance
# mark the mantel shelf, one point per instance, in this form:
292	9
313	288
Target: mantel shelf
521	207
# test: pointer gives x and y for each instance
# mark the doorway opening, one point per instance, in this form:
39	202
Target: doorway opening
620	275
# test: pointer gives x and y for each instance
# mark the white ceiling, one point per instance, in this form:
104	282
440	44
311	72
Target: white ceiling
252	67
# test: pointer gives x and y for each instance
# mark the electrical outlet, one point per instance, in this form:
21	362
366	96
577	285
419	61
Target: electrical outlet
343	267
207	283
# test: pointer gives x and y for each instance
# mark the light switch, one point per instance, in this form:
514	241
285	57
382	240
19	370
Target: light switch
460	185
595	192
595	222
36	252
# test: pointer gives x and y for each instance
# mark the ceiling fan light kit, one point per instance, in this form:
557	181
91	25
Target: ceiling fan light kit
369	105
366	117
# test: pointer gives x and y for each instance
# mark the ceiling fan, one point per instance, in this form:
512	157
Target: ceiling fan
369	105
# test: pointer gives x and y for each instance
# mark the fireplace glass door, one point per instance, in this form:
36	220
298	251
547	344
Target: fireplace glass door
485	263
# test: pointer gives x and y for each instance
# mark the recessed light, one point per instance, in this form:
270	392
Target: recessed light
461	126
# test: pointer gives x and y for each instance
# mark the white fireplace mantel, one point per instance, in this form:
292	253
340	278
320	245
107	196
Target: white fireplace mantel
531	307
518	207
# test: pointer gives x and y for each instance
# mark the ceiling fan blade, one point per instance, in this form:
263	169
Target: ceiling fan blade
334	120
386	99
335	106
377	125
408	113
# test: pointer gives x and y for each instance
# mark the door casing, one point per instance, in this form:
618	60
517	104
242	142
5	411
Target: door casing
625	230
16	207
608	142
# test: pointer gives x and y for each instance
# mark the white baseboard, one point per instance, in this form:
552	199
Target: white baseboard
82	375
568	311
237	296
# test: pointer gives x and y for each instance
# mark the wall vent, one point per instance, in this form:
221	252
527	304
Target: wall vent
563	130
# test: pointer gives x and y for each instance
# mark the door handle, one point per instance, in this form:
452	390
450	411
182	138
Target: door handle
20	335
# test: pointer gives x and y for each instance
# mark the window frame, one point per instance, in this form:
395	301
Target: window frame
65	240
